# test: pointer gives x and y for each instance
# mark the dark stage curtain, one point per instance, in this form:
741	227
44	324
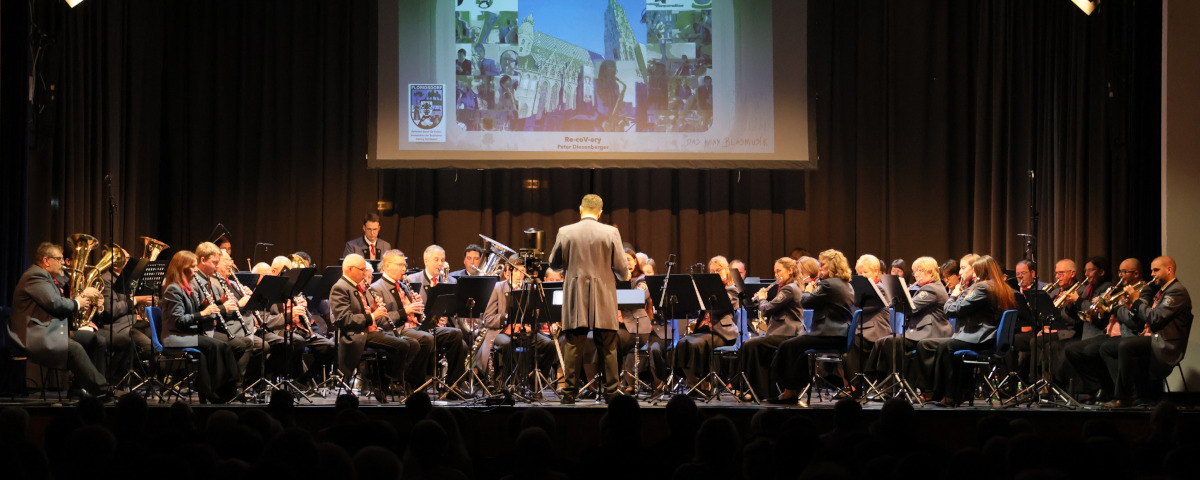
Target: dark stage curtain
930	114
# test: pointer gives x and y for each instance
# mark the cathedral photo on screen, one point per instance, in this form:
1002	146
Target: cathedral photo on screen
583	65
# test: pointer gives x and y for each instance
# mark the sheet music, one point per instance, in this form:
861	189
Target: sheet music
907	295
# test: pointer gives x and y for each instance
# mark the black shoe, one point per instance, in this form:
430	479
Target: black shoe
381	396
567	400
785	401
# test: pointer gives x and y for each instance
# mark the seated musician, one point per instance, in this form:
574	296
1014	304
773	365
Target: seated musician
189	321
472	257
928	320
229	327
306	336
117	322
1164	307
41	311
507	333
637	327
358	317
407	311
1084	355
369	246
978	313
786	320
832	302
875	322
1062	327
693	352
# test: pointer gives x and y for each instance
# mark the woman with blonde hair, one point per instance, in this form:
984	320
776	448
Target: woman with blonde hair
927	321
832	302
693	353
978	313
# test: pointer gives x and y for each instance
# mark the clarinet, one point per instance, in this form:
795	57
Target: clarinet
385	324
408	295
209	300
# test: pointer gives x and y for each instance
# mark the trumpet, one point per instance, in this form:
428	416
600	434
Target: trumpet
1049	286
1062	296
1108	300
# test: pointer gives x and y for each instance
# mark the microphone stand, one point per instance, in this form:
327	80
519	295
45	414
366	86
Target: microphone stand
112	215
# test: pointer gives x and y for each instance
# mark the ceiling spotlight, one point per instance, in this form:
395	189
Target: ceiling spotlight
73	3
1086	5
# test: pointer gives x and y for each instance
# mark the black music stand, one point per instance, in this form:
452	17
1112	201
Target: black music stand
127	282
1048	322
530	308
717	306
269	291
634	298
297	280
328	278
470	298
895	383
676	294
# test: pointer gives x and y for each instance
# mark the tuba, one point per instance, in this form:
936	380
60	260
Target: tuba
82	245
114	255
151	248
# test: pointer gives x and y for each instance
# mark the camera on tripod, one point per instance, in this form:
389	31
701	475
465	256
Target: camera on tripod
531	252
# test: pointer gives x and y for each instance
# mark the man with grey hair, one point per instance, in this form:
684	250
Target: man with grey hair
358	317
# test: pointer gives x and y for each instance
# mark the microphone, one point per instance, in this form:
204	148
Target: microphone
228	234
264	244
112	203
671	259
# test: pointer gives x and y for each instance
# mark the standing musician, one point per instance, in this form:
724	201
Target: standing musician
406	309
42	315
369	246
1084	355
507	335
1165	308
358	316
928	320
188	322
978	312
229	329
832	302
693	352
117	321
590	255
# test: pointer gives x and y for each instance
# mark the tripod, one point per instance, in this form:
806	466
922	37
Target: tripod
1044	386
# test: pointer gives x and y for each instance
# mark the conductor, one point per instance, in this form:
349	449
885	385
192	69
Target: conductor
590	256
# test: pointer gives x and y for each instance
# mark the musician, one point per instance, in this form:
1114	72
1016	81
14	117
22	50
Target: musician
117	322
1084	355
406	309
875	322
739	267
900	268
949	271
832	302
1062	326
311	337
590	254
978	313
188	322
553	275
1026	275
41	315
209	287
928	320
639	327
1098	278
357	316
1165	308
506	334
434	273
369	246
693	352
472	257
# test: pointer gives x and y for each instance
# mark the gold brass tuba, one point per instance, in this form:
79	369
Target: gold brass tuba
151	248
113	255
82	245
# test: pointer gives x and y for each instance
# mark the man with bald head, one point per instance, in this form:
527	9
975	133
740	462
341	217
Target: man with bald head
1085	355
358	317
1165	308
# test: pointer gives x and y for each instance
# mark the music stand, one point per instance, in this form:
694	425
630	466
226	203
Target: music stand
127	282
1047	322
472	293
718	305
297	280
676	294
897	289
269	291
633	299
529	307
328	278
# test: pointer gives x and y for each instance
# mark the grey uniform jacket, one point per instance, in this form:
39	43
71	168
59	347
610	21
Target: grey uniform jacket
590	256
977	316
832	302
40	318
1170	320
929	315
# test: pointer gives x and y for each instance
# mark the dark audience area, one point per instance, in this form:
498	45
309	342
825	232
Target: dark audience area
422	441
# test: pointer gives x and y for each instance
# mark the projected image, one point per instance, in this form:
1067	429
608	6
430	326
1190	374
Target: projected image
583	65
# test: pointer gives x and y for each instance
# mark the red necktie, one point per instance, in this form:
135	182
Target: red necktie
372	251
433	282
1156	298
399	291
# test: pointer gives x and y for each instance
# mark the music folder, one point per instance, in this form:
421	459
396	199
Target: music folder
897	289
713	292
682	297
330	276
473	293
271	290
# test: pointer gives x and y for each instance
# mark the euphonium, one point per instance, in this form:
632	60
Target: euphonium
82	245
298	261
151	248
114	255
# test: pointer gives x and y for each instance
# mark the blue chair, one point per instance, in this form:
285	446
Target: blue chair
177	366
993	357
835	355
808	316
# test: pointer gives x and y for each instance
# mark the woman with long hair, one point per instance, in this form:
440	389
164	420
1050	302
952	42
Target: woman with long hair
832	302
693	352
785	320
187	316
978	311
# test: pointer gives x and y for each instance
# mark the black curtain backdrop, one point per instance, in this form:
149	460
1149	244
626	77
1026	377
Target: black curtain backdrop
930	114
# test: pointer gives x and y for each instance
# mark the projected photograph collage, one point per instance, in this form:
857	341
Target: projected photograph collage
583	65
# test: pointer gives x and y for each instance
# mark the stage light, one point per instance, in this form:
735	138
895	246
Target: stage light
73	3
1088	6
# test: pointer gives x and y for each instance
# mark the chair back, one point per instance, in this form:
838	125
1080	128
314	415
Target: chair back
952	321
898	319
741	319
154	316
853	328
1008	328
808	316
